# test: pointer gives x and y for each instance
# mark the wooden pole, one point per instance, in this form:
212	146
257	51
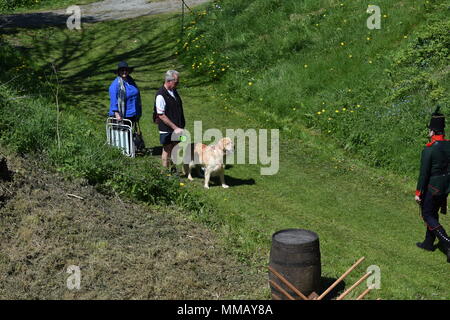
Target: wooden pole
340	278
275	296
364	277
281	290
364	293
291	286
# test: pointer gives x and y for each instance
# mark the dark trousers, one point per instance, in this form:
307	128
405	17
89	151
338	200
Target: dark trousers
430	209
430	214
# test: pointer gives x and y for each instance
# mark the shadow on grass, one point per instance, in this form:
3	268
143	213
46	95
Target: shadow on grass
325	283
155	151
232	182
38	20
86	59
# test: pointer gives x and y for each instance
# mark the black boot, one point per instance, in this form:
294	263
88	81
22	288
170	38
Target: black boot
427	244
423	246
444	240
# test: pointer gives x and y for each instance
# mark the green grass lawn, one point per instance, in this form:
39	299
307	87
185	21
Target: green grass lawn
356	210
317	62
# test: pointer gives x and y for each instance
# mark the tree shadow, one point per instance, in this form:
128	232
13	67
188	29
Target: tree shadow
38	20
86	59
197	80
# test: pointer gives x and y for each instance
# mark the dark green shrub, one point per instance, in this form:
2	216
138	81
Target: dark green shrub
13	4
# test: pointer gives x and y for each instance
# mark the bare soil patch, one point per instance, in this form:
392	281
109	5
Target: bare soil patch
125	250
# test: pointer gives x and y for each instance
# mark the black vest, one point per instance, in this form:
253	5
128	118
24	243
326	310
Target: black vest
173	110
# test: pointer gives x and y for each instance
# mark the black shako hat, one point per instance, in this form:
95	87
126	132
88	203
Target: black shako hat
123	64
437	122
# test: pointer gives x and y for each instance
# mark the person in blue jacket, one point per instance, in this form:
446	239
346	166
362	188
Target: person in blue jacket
124	95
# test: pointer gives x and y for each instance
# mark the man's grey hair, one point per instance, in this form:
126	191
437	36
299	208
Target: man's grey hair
171	75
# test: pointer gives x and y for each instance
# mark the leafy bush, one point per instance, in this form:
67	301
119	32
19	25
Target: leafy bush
13	4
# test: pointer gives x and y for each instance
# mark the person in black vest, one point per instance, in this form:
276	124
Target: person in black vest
433	185
168	114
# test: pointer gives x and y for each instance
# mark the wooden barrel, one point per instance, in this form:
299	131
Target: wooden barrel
295	254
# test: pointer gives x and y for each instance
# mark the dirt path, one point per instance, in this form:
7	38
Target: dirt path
96	12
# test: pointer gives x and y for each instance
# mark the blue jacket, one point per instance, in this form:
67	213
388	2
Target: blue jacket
133	104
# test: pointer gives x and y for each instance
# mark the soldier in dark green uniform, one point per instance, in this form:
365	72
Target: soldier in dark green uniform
433	186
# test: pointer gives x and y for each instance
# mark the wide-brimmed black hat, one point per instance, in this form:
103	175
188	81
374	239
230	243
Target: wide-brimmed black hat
123	64
437	122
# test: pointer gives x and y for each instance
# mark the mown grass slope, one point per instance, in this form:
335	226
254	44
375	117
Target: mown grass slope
318	63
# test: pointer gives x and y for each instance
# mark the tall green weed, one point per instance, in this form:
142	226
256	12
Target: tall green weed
30	126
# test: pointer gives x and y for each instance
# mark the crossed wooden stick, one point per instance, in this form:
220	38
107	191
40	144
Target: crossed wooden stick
314	296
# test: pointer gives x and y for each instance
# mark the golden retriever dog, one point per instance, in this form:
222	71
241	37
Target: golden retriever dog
210	158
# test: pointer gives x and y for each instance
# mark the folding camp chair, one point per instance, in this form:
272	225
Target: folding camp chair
119	133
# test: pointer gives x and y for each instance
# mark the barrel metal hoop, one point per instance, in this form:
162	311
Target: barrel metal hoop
306	263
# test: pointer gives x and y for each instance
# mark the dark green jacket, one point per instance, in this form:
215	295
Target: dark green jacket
434	168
